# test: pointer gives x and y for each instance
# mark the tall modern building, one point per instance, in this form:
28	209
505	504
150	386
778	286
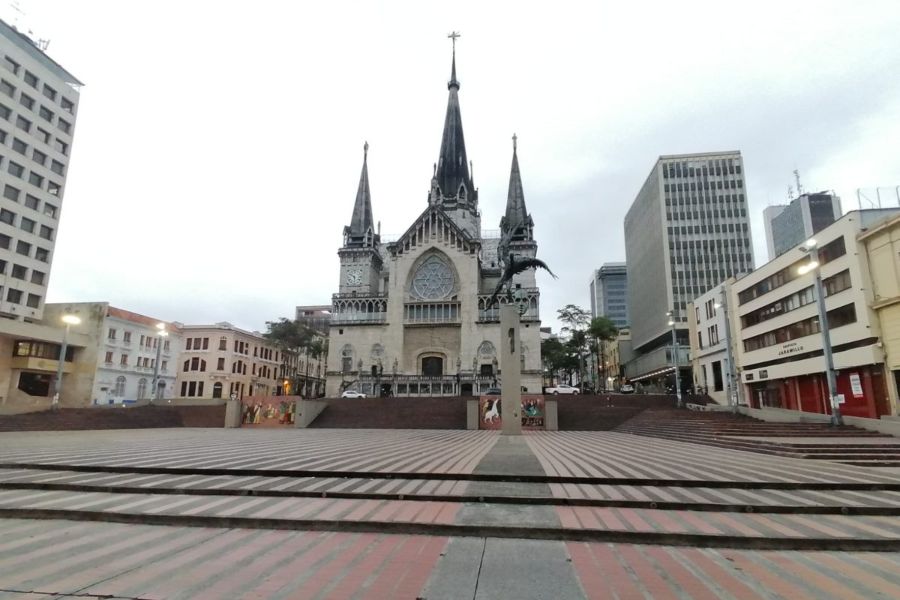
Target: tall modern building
687	230
789	225
609	293
38	106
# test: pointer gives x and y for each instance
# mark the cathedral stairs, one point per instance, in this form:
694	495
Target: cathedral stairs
133	417
818	441
393	413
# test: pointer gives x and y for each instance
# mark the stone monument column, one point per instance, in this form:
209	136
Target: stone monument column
510	370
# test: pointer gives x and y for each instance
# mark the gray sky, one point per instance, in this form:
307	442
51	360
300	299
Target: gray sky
218	144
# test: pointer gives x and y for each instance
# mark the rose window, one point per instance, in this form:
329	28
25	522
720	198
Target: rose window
433	280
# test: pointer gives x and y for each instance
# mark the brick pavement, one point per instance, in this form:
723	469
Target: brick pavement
435	514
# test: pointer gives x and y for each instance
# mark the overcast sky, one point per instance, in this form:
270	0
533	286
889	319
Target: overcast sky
218	144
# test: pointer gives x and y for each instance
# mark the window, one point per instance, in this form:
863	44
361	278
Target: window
33	301
46	114
39	157
19	146
7	216
49	210
31	79
206	343
120	386
220	365
166	345
14	296
2	268
46	232
19	272
124	360
188	343
111	335
7	88
837	317
64	126
109	358
186	366
44	135
142	388
4	241
32	202
26	101
126	337
53	188
42	254
223	343
37	277
164	366
15	169
11	193
60	146
11	65
23	248
67	105
217	389
2	137
27	224
35	179
23	123
57	167
5	112
49	92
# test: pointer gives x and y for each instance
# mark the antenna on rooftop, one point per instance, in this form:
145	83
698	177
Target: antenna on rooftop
797	179
790	192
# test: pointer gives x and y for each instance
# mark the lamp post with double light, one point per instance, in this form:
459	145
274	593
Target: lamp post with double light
730	385
69	320
161	336
671	315
810	247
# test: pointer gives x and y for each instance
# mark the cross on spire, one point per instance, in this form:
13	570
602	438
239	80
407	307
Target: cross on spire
453	35
515	137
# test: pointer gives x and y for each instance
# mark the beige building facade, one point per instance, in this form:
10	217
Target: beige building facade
882	250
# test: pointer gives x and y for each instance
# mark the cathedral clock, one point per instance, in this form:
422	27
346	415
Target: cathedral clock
354	276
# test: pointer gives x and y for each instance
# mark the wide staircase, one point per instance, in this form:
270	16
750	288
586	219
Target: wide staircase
393	413
605	411
818	441
132	417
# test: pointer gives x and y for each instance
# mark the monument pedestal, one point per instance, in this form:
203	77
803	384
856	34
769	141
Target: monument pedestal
510	370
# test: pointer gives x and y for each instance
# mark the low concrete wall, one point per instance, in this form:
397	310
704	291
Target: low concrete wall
889	425
232	414
551	415
472	414
307	411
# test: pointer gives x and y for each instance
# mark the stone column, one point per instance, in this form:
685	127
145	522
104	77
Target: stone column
510	370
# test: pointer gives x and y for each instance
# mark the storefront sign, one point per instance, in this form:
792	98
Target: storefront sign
855	385
532	412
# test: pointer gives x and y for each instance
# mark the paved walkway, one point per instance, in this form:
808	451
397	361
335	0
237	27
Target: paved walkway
434	514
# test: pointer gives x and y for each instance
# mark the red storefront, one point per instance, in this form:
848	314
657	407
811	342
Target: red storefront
863	389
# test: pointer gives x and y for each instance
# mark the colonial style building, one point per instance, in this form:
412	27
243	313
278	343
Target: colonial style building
411	316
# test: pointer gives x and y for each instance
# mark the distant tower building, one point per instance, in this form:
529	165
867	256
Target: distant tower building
687	230
789	225
609	293
38	106
316	317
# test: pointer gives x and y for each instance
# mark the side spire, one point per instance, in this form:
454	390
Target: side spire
452	175
516	223
361	231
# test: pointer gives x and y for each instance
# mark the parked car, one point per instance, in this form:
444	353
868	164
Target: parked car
627	389
352	394
563	389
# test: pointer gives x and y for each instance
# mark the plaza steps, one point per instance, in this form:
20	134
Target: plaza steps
604	412
393	413
725	430
132	417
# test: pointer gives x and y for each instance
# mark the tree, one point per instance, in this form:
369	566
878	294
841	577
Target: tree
316	349
290	337
576	320
602	330
553	354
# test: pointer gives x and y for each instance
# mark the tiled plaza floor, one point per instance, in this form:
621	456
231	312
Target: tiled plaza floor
156	514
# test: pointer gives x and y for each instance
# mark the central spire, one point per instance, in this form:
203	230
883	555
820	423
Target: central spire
452	175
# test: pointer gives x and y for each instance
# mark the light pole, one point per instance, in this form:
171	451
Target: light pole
730	385
671	315
69	320
159	342
809	247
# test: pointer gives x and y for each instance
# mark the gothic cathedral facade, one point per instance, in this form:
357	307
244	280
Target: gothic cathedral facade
411	317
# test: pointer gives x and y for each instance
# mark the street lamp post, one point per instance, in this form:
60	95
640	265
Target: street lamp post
810	249
731	387
671	315
69	320
159	342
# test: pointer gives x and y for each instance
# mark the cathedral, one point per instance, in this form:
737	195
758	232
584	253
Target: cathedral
412	316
